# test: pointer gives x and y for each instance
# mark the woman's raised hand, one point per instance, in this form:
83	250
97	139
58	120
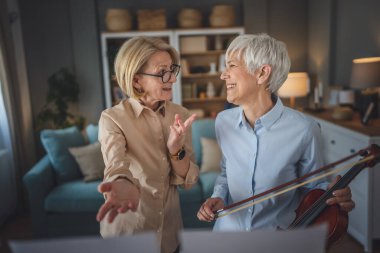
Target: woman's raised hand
177	134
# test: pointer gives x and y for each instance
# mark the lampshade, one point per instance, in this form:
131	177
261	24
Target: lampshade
365	73
297	85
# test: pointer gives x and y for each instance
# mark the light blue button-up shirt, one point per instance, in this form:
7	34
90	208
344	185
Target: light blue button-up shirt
283	145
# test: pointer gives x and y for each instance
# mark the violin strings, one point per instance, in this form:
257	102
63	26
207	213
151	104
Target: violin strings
337	170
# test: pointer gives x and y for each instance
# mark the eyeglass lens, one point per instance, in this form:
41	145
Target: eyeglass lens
168	74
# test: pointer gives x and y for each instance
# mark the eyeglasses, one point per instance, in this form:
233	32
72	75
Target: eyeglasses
166	75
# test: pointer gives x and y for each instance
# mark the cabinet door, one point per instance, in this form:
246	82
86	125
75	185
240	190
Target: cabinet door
111	43
338	143
202	59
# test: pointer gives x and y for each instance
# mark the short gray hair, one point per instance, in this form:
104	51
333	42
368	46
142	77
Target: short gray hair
259	49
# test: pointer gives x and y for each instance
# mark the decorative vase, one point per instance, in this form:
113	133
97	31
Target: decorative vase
118	20
210	90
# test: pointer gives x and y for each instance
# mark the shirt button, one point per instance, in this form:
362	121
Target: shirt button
158	231
163	158
160	212
249	209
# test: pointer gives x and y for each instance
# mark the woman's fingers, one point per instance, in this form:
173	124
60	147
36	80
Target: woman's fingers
112	214
203	215
190	120
103	210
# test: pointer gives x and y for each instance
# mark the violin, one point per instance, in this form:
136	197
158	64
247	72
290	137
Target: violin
313	209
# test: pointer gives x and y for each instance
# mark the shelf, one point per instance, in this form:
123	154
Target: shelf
201	75
202	56
205	53
204	100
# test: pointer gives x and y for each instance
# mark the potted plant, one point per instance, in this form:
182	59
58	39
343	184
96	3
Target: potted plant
63	89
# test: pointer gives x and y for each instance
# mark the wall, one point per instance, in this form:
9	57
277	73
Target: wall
342	30
65	33
357	27
322	37
60	34
285	20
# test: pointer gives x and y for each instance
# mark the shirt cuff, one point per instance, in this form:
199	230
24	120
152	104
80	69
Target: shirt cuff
116	176
191	176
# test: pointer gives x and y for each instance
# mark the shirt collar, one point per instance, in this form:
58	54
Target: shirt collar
268	119
138	107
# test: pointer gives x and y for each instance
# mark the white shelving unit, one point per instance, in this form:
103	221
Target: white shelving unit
173	38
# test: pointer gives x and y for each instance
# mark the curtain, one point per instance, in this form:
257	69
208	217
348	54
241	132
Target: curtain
16	121
7	168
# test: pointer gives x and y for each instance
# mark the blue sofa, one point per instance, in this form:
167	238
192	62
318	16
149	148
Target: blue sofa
65	205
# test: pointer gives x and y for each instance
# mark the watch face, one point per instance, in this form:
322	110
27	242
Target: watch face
181	154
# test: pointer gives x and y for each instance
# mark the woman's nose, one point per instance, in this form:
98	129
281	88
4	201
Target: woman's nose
224	75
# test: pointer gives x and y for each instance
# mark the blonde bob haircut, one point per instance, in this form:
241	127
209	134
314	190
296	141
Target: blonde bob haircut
132	57
256	50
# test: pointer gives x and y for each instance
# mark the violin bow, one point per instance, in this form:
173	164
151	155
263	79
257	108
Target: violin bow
368	153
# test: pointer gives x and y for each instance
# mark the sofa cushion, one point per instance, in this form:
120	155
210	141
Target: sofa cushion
207	181
56	144
211	155
192	195
90	161
201	128
74	196
92	133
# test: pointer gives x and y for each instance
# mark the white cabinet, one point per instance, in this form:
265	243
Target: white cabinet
341	141
111	42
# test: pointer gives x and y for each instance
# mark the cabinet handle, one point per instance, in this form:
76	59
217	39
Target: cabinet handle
332	142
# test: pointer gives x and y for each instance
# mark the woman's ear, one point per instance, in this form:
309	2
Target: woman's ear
136	83
264	74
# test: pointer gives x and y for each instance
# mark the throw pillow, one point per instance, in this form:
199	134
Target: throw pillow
90	161
211	155
56	144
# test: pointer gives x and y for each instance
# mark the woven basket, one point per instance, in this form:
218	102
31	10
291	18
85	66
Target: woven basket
222	16
151	19
118	20
189	18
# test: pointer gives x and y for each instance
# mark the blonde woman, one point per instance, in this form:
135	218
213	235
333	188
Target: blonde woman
146	146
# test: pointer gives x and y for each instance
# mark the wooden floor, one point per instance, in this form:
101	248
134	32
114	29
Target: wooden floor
19	228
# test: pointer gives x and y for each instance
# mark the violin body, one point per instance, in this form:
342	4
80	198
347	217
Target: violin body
336	218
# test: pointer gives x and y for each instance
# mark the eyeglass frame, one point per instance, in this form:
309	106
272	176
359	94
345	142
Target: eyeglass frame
176	66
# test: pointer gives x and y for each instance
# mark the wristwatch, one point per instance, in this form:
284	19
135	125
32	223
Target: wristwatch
179	155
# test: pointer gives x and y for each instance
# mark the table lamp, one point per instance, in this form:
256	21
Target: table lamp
296	85
365	73
365	76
